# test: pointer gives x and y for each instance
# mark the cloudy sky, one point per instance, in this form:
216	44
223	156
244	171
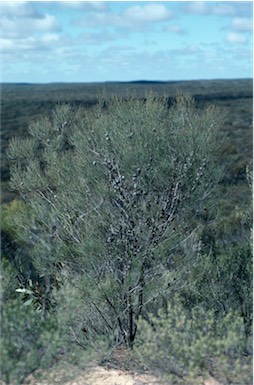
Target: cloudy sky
101	41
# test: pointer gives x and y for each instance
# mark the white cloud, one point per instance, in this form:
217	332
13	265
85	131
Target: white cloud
7	44
13	9
96	6
21	20
175	28
97	19
47	23
134	17
189	49
49	38
18	48
222	8
237	38
23	45
242	24
148	13
199	7
97	38
18	27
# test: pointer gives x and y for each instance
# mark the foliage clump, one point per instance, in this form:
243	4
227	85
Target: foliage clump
189	346
27	341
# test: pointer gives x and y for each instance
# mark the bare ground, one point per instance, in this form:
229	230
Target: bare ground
113	372
100	375
104	376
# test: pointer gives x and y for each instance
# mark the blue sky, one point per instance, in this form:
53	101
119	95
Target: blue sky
68	41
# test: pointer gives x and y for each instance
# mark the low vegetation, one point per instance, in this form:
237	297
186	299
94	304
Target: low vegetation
118	241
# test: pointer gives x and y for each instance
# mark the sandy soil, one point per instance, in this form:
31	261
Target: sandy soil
97	375
100	375
104	376
113	373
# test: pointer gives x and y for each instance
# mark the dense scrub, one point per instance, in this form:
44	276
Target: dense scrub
21	103
120	226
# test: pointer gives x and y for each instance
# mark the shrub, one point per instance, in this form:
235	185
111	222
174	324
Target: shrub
223	283
186	347
27	341
113	191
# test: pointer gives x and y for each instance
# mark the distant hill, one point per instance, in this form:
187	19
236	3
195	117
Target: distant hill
143	82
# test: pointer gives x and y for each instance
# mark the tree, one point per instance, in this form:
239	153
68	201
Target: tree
114	193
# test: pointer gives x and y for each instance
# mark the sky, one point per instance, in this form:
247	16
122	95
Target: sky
83	41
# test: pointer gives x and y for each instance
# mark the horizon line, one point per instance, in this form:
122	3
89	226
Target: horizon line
140	81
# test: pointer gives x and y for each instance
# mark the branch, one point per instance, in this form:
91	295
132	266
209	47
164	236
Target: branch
75	338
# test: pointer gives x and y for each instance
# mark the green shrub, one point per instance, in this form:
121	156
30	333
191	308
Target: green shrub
13	245
112	191
185	347
222	282
27	341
